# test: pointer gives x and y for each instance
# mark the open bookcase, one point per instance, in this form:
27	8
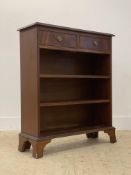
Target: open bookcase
74	91
66	81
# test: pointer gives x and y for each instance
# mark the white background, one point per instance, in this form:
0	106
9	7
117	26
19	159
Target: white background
111	16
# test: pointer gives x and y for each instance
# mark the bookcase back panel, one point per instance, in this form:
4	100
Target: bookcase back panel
65	117
72	63
74	89
102	114
61	117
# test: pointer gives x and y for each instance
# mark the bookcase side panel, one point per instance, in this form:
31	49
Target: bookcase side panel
29	82
111	81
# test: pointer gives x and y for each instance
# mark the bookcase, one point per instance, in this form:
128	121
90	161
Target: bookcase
66	84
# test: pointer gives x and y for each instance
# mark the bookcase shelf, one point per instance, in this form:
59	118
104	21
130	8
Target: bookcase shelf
66	103
66	85
73	76
74	50
72	131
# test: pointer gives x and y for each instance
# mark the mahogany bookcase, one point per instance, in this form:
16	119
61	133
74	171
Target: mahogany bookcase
66	84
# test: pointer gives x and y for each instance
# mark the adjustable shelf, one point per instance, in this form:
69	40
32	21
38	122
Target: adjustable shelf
74	76
66	103
66	80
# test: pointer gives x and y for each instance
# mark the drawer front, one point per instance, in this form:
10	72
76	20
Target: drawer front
58	39
95	43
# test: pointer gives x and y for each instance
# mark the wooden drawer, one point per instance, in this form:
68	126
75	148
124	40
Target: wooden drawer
58	39
94	43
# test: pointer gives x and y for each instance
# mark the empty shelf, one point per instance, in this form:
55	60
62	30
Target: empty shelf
65	103
53	133
73	76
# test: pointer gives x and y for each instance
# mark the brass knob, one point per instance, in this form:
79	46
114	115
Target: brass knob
59	38
95	43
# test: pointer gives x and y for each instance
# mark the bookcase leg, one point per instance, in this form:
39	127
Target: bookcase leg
92	135
112	135
38	147
24	144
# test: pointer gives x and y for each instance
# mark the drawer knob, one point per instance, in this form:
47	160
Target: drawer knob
95	43
59	38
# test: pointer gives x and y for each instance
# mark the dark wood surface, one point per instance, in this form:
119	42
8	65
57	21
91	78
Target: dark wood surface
72	63
29	82
74	89
72	131
37	24
66	84
79	50
73	76
67	103
74	41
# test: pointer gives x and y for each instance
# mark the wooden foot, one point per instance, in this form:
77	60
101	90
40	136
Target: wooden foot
37	145
24	144
92	135
111	133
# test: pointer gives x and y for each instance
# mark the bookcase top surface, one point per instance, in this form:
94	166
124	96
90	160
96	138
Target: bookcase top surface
38	24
